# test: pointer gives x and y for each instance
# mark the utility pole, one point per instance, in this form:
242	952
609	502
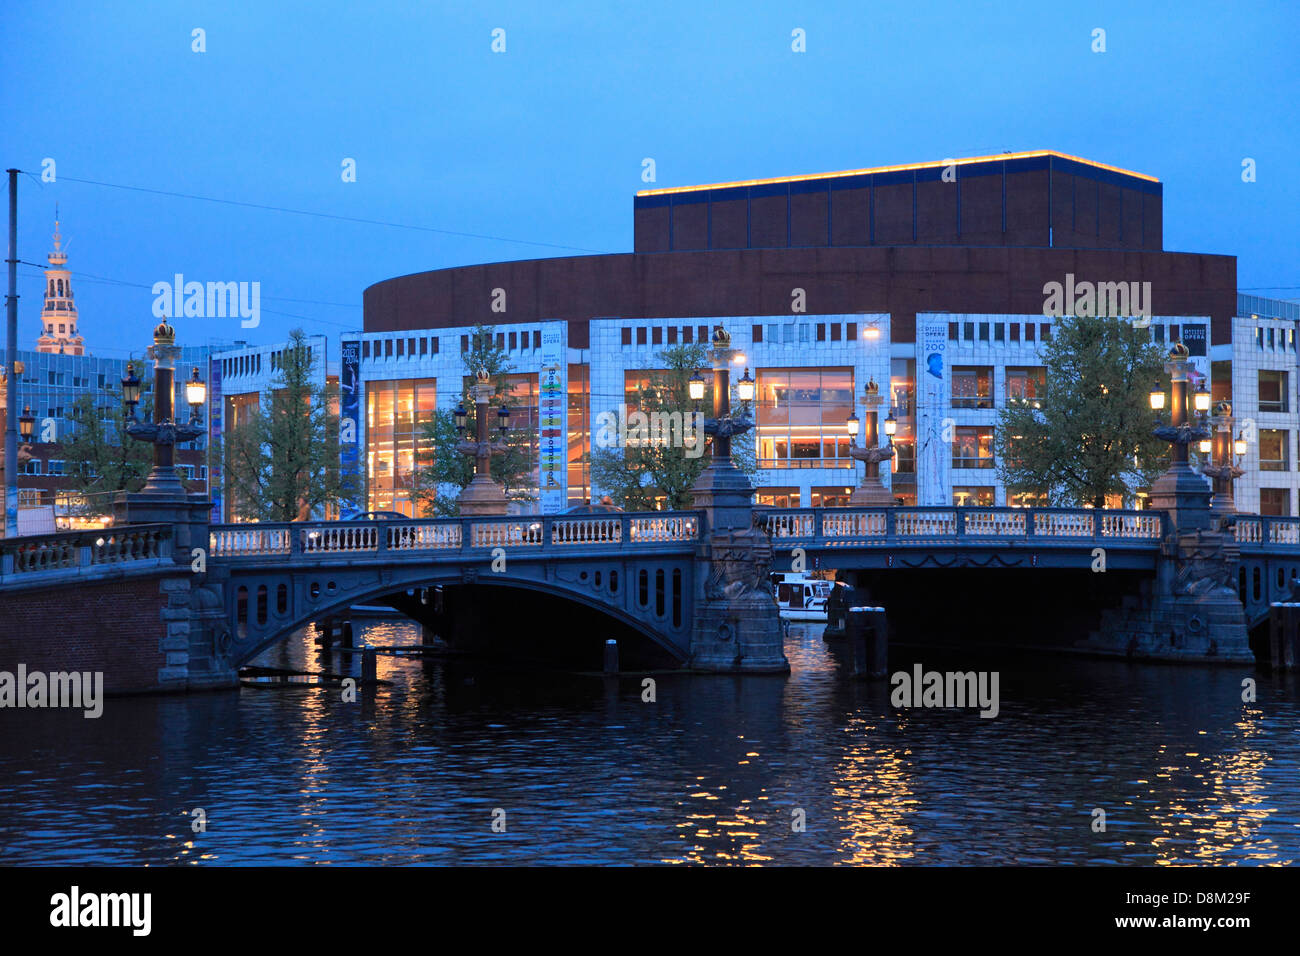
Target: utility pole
11	361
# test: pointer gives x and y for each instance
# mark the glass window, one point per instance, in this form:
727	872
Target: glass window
830	497
777	497
1273	447
972	386
972	447
1272	391
1275	501
801	416
978	496
396	446
1027	383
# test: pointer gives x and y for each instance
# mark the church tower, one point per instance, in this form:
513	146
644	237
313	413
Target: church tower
59	316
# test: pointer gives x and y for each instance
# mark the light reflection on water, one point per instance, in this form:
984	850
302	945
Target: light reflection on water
714	772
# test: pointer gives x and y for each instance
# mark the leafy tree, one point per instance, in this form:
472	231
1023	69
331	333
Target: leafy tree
282	463
1090	435
660	470
444	471
101	457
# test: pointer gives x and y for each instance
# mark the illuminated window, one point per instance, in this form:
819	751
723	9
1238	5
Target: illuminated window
801	416
979	496
972	386
777	497
1273	447
396	446
1026	384
972	447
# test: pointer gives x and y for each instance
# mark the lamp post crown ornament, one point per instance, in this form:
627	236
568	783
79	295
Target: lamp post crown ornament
721	338
164	334
872	390
1223	409
1178	351
483	376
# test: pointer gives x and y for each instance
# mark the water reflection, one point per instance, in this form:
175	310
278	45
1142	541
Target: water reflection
719	770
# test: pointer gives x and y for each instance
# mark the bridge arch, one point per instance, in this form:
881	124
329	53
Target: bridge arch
265	608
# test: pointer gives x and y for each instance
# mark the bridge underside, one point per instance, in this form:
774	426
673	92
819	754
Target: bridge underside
537	611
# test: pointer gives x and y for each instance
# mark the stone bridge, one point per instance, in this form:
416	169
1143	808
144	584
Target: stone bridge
221	594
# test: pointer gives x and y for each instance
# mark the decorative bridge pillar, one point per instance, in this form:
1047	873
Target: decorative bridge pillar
196	635
1193	611
737	625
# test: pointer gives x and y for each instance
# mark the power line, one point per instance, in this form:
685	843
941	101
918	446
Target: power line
325	215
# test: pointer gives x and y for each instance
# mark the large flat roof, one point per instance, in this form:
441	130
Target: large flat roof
1031	154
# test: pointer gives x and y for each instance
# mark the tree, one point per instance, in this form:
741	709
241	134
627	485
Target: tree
660	460
282	463
101	457
1090	435
446	472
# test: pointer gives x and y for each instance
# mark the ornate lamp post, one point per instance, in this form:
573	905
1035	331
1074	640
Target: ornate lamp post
164	432
1180	490
482	496
1221	466
722	489
871	493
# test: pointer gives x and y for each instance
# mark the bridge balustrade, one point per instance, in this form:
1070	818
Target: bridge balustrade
453	534
1267	530
885	525
73	550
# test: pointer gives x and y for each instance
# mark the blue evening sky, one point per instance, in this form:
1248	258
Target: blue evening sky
545	141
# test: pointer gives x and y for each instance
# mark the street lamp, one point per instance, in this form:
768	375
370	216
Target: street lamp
163	433
745	388
1180	490
130	391
196	393
852	425
482	496
1220	467
460	415
26	424
1202	400
696	387
1157	399
871	493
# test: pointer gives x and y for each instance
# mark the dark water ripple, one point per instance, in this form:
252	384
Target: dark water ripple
711	773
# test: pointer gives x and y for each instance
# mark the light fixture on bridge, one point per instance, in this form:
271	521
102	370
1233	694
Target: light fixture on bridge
1204	446
460	415
196	392
891	424
852	425
696	387
130	390
871	332
745	388
1202	399
1239	446
1157	399
503	418
26	423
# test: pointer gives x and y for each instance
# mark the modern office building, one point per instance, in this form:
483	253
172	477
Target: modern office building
828	282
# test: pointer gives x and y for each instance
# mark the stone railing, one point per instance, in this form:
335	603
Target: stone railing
880	526
452	535
1267	531
77	552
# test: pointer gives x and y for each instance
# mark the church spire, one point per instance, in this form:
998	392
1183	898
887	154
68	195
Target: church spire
59	314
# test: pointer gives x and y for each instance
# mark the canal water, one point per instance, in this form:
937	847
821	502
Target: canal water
811	769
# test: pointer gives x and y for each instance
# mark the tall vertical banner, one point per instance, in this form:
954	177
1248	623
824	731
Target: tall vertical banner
216	411
552	471
349	427
933	454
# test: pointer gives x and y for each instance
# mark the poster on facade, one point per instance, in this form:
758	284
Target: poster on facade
349	419
552	472
216	409
932	425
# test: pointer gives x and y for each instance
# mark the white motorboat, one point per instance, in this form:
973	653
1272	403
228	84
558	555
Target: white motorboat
800	597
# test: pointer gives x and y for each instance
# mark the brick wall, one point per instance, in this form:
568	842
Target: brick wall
111	626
